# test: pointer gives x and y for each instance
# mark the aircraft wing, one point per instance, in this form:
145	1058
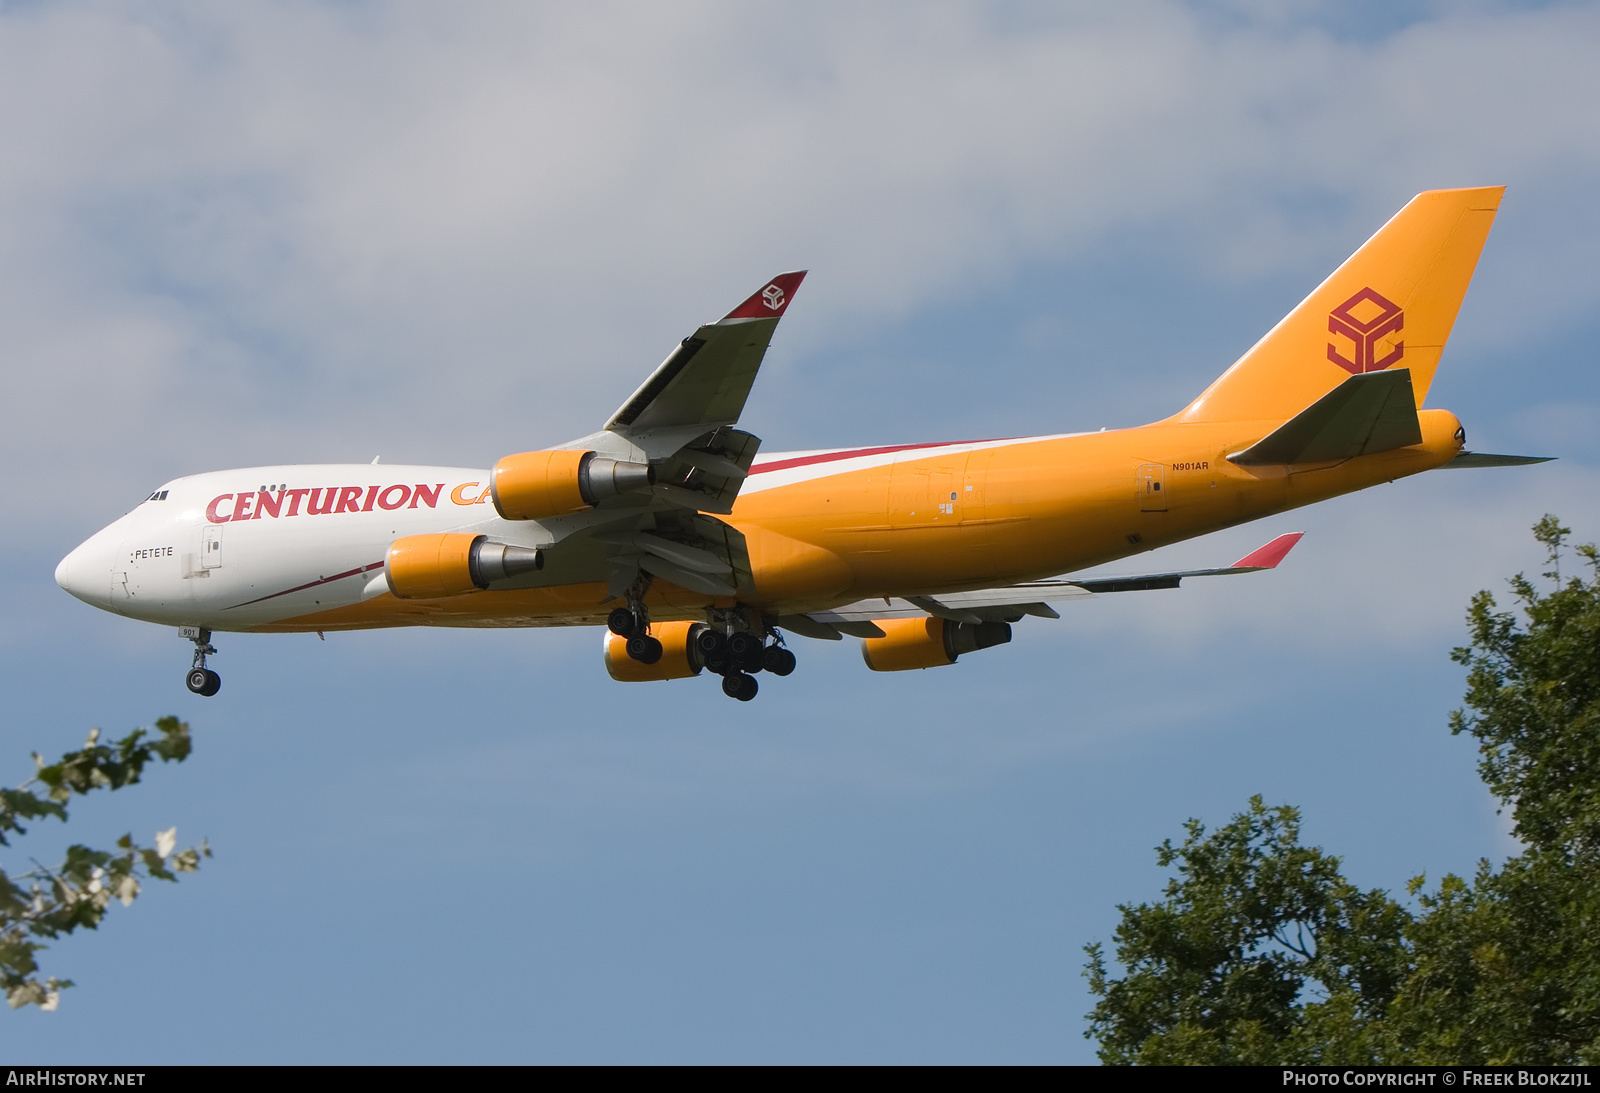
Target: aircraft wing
682	418
1011	602
705	380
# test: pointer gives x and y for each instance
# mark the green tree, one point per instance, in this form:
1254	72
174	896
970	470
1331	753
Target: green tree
1263	953
1508	968
44	903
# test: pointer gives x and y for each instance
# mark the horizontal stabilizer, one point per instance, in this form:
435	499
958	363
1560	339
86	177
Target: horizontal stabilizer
1372	412
1484	459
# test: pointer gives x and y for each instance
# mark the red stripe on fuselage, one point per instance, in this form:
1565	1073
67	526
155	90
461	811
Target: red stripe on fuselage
852	453
312	584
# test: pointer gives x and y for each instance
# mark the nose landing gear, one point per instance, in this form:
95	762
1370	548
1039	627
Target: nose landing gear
201	680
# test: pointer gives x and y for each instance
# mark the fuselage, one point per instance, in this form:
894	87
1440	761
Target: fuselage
302	547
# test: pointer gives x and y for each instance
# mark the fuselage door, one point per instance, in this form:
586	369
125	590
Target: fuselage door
926	491
1152	488
211	547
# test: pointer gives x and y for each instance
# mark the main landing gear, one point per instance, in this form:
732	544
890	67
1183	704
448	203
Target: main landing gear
201	680
737	656
734	645
634	624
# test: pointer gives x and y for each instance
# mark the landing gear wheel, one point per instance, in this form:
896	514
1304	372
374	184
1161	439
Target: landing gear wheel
745	650
777	660
203	681
622	622
644	648
712	645
740	686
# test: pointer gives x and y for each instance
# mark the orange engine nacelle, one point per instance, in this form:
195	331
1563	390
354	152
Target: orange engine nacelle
679	658
928	642
541	485
431	567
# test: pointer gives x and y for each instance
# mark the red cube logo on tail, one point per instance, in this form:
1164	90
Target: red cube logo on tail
1365	318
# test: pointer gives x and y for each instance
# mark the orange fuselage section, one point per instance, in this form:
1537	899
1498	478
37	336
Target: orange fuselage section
1003	512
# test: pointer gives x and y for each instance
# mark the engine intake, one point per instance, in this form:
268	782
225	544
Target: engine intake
431	567
928	642
541	485
680	658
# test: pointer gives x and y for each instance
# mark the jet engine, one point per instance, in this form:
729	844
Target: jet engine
680	659
428	567
538	485
928	642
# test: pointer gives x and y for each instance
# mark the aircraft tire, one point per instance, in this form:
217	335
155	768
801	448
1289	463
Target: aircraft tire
621	622
740	686
203	682
745	650
644	648
777	660
710	641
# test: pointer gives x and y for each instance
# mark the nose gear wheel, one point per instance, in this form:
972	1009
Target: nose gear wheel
200	679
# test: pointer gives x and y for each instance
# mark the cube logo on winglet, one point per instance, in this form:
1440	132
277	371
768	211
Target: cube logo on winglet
770	301
1365	318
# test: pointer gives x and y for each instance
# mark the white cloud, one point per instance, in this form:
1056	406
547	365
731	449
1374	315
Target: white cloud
240	234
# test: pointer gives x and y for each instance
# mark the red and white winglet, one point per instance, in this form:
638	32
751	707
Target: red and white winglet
1269	556
771	300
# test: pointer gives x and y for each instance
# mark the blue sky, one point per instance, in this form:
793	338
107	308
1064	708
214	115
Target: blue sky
300	232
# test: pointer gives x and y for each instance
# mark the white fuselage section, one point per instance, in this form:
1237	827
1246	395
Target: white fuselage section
233	550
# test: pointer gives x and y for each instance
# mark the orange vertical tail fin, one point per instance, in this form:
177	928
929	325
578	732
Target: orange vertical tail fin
1390	305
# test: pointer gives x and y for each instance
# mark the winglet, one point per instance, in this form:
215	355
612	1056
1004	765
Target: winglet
1269	556
771	300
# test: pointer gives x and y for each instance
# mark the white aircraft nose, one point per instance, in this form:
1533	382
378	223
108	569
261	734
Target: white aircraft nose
86	572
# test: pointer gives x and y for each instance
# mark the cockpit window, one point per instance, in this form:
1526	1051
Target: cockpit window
159	495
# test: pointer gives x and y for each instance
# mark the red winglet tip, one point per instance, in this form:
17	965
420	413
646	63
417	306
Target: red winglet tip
1269	556
772	300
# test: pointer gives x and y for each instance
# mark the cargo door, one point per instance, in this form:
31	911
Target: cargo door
974	489
927	492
